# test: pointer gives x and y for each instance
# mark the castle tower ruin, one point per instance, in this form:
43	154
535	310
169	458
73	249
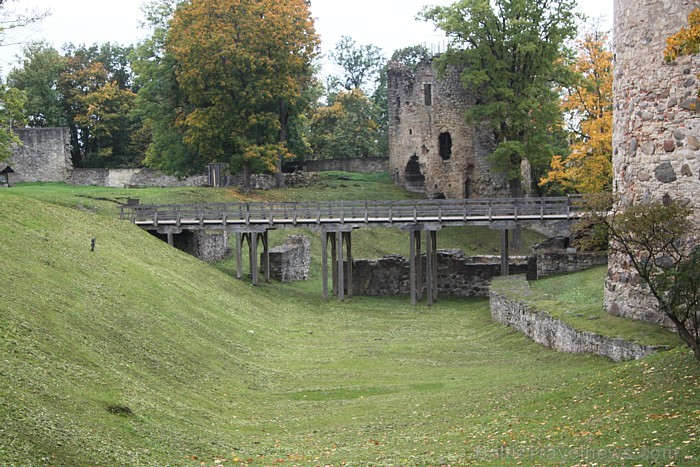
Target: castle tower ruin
656	137
431	148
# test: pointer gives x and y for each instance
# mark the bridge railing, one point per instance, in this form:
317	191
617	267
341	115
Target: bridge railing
403	211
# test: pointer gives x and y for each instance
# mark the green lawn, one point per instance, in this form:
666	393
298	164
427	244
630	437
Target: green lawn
137	354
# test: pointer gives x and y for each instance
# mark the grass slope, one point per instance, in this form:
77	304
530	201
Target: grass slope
138	354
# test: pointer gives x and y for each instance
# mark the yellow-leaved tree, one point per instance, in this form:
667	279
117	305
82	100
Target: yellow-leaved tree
242	67
687	40
588	105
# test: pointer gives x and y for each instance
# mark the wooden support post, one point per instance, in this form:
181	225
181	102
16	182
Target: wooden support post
504	253
254	257
171	242
266	255
434	272
324	260
429	267
412	265
334	260
239	255
419	266
341	272
348	271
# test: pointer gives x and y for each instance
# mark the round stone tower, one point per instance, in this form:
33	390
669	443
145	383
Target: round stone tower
656	136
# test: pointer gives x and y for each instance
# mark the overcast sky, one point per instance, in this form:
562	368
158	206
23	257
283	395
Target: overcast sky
388	24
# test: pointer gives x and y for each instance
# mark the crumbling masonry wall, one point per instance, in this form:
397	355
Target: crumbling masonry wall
291	261
656	137
458	276
43	156
431	148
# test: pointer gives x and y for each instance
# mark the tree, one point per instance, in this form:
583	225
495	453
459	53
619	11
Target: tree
11	20
411	56
655	238
588	105
361	65
98	99
357	99
12	103
38	78
160	100
242	66
510	54
345	128
687	40
12	100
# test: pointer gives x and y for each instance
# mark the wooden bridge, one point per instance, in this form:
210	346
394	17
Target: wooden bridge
336	220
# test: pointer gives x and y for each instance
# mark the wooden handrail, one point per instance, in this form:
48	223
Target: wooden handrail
355	212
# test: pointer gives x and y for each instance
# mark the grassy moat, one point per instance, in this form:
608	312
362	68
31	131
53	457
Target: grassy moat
138	354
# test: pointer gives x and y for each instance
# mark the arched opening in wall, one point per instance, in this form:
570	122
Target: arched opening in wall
414	179
445	143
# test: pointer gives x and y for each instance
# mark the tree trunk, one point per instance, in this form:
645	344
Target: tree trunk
687	337
246	177
284	120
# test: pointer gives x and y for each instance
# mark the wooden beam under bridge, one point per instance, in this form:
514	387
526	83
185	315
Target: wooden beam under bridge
341	268
253	237
416	263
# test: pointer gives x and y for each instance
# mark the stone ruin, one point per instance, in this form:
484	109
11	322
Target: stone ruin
656	135
43	155
558	256
431	148
458	275
291	261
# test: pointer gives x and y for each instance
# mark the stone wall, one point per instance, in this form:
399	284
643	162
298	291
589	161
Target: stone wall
508	307
656	137
556	256
458	275
291	261
130	178
431	148
297	179
43	156
367	165
551	229
205	245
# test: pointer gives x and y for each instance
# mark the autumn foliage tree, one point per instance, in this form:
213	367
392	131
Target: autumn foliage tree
242	67
345	127
687	40
88	89
98	99
588	105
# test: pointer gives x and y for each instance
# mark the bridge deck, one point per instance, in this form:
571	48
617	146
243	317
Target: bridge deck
378	213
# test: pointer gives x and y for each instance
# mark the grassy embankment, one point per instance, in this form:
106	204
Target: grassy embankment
139	354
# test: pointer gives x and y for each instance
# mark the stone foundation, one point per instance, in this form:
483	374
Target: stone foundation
458	276
556	256
219	178
507	309
291	261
